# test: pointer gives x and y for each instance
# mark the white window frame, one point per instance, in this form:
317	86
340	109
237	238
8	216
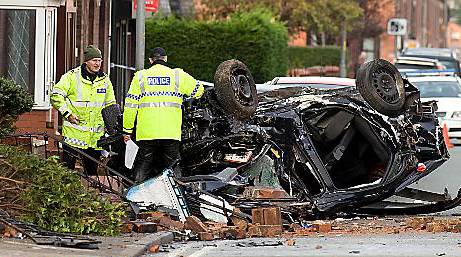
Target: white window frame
45	50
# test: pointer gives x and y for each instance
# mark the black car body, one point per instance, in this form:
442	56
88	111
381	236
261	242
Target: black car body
328	149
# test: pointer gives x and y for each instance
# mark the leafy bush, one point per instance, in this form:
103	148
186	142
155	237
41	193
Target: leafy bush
53	196
14	101
303	57
199	47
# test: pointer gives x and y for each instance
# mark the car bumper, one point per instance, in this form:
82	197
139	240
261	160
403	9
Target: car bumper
454	127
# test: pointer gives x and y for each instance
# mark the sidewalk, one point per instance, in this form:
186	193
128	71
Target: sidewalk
134	244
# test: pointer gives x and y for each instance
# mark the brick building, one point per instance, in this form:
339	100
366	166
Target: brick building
426	27
42	40
454	35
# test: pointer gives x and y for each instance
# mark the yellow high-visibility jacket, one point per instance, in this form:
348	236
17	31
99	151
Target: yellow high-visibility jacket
74	94
155	99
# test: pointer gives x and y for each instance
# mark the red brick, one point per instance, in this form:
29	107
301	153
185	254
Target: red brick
232	232
264	230
272	216
193	223
151	216
264	193
205	236
238	219
270	230
267	216
171	224
154	248
254	231
290	242
126	228
322	227
144	227
257	216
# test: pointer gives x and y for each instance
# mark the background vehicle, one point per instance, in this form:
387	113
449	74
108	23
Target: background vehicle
446	90
446	56
409	64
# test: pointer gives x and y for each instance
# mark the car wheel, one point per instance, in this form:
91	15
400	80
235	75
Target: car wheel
381	85
235	89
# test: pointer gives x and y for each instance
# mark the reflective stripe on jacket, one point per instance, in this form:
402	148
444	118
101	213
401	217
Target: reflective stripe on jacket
74	94
154	100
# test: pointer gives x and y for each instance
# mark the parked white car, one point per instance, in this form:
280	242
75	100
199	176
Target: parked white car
446	90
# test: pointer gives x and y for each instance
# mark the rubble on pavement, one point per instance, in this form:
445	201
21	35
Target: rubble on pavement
266	222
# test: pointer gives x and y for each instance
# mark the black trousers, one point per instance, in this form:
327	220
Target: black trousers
154	156
69	157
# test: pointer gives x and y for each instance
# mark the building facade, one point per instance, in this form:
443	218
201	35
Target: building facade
42	40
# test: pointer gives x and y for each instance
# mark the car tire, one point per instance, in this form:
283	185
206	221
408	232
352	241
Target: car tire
381	85
235	89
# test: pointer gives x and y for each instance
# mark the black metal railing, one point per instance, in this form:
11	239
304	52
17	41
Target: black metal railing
107	180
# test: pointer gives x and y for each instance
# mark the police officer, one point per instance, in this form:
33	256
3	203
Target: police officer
79	96
154	100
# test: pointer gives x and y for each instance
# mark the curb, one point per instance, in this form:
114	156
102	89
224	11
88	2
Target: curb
143	245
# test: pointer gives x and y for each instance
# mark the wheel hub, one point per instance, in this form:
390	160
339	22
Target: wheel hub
384	84
242	88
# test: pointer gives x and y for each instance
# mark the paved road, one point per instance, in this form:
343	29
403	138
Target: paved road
408	244
446	176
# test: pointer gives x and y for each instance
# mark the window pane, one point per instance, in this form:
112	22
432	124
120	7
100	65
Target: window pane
17	50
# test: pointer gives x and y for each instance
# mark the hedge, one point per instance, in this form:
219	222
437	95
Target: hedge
45	193
199	47
303	57
14	101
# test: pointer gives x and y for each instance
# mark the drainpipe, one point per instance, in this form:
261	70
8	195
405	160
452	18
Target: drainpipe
140	33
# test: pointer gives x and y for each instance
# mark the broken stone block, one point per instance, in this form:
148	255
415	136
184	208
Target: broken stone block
144	227
193	223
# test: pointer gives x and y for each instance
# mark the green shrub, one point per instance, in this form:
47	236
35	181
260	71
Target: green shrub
53	196
14	101
303	57
199	47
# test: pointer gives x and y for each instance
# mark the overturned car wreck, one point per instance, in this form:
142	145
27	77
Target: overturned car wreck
330	151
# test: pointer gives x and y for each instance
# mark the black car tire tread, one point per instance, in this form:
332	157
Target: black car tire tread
369	89
225	93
